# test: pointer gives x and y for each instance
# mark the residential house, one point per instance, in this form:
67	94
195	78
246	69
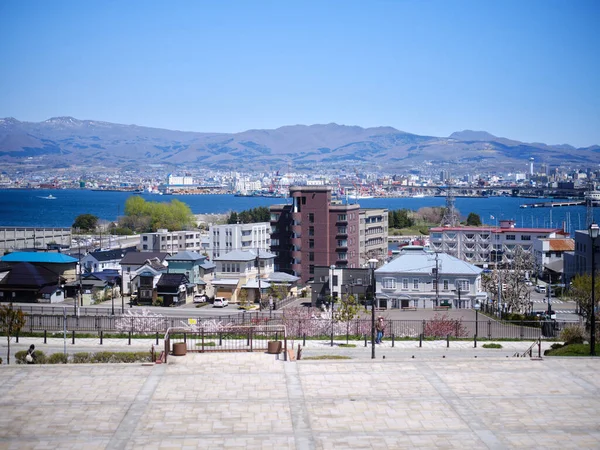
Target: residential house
174	289
549	256
419	278
195	267
29	283
63	266
132	261
100	284
243	270
104	259
338	282
144	280
579	261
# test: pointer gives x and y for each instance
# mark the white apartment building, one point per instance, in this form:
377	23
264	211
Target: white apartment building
373	235
170	242
239	236
482	245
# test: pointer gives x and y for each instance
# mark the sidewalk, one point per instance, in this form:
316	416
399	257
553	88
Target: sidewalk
255	401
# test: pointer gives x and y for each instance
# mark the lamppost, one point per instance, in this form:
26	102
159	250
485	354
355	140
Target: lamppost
372	265
331	285
112	297
476	307
593	231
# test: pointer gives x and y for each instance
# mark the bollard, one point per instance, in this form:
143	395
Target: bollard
304	340
447	341
157	338
129	338
332	336
393	339
474	341
45	340
17	338
101	336
421	340
185	338
220	338
365	339
73	338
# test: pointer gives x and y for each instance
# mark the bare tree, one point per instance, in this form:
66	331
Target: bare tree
11	322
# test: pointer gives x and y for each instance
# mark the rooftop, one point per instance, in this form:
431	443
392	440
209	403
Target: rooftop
39	257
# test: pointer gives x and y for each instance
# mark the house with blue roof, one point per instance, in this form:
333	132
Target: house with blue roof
195	267
420	278
62	265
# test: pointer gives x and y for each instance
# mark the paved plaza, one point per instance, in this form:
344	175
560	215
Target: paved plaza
257	401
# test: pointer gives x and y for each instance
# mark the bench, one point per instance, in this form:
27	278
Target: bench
409	308
441	308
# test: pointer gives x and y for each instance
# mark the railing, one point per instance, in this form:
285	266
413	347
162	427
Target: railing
299	328
238	338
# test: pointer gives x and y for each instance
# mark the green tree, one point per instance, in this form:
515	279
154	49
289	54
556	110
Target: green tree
254	215
347	310
86	222
233	218
11	322
473	220
580	290
243	297
144	216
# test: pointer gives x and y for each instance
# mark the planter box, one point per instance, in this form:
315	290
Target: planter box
179	349
274	347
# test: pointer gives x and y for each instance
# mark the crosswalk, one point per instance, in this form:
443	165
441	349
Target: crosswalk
553	301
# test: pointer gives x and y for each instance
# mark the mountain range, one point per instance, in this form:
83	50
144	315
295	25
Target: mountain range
66	141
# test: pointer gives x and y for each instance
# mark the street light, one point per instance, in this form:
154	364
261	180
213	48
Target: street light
593	231
476	307
372	265
331	301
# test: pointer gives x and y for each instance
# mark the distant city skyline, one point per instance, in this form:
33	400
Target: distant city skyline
522	70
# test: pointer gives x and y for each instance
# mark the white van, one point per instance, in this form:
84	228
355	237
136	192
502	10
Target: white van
541	289
220	302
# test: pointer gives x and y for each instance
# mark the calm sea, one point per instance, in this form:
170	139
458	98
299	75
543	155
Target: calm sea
28	208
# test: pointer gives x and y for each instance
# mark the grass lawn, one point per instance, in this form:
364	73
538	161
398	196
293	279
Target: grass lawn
571	350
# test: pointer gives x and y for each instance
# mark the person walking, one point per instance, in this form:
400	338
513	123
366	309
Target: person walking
379	327
29	357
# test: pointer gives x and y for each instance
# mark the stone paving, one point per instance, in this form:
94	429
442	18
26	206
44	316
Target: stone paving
258	401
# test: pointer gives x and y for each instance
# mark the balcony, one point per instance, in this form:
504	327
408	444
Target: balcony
297	268
296	241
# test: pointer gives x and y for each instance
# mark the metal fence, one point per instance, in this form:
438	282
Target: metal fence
305	328
247	338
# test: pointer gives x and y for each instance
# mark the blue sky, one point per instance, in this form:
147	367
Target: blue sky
527	70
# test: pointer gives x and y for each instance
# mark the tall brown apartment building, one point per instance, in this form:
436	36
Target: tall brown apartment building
314	231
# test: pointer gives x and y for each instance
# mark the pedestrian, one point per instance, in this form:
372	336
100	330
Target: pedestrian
29	357
379	327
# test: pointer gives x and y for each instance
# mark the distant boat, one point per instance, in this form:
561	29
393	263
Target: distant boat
49	197
421	195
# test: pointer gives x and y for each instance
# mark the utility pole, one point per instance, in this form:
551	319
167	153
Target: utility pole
259	287
437	280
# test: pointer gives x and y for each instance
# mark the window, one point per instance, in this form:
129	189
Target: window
510	237
311	231
445	285
311	243
526	237
342	217
404	283
388	283
342	256
311	256
311	269
145	238
311	217
342	243
341	230
145	247
463	285
415	283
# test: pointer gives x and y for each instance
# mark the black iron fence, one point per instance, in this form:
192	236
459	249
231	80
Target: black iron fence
305	328
237	338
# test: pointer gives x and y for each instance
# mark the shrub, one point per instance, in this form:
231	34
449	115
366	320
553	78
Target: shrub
556	345
81	358
492	345
102	357
58	358
573	334
20	357
442	326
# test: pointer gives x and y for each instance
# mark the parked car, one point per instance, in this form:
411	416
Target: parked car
198	298
541	289
220	302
